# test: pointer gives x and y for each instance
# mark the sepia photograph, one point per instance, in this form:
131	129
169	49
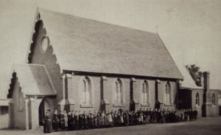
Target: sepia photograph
110	67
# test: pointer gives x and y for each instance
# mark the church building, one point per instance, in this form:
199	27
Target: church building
80	64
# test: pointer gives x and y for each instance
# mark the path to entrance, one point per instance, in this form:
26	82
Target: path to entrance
203	126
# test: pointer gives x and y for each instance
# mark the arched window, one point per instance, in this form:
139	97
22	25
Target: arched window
145	93
87	95
197	99
213	99
118	92
168	93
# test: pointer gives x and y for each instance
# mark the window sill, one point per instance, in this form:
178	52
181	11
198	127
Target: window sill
168	104
118	105
86	106
213	105
20	109
145	105
197	106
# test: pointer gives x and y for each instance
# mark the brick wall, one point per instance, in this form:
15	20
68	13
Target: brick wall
107	88
19	115
214	109
193	101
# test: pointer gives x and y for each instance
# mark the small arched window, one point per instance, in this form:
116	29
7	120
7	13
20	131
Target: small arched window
213	99
87	95
168	93
197	99
118	92
145	93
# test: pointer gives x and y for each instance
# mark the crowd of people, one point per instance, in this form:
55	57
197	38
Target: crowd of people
75	120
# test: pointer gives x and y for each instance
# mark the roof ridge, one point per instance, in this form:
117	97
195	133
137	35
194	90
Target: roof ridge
91	19
36	65
28	64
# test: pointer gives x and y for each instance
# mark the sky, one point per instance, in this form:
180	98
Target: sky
190	29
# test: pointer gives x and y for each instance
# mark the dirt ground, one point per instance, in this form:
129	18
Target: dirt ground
203	126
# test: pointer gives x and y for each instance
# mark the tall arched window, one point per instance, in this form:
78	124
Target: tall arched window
145	93
118	92
197	99
87	91
168	93
213	99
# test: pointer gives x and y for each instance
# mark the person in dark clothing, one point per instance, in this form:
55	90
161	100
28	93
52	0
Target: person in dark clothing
120	110
130	117
145	116
61	121
116	119
73	122
76	120
120	118
141	118
99	120
195	114
155	116
103	118
47	124
83	120
152	116
148	115
126	118
86	122
95	119
55	121
70	121
90	120
163	116
80	121
112	116
136	120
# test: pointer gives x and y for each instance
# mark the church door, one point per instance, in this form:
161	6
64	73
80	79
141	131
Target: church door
43	109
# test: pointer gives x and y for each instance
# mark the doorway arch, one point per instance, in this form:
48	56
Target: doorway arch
44	108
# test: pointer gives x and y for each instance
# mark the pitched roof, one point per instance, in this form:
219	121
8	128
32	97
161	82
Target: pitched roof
188	82
88	45
34	79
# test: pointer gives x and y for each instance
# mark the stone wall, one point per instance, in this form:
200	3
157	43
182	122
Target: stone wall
47	58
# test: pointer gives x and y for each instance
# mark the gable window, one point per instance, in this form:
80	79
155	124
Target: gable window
213	99
197	99
168	93
87	94
145	93
44	44
118	92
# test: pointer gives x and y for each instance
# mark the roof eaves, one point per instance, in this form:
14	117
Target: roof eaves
114	74
191	88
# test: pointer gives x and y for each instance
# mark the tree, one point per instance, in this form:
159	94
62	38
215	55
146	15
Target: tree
196	74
